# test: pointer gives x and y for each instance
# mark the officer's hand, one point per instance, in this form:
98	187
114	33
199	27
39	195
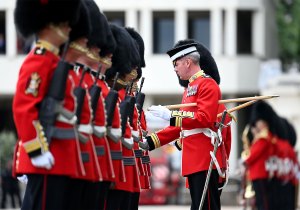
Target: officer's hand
157	121
23	179
160	111
45	160
144	144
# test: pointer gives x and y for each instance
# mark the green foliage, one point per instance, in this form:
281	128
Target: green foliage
288	22
7	143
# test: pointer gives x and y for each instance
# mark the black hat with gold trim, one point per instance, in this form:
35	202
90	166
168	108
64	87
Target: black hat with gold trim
109	46
182	50
207	62
97	35
126	55
33	15
139	40
83	26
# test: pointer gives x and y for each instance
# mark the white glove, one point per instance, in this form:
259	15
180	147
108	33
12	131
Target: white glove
155	122
23	179
45	160
160	111
144	144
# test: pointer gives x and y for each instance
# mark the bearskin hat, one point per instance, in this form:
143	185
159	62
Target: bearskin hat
139	40
263	111
97	35
83	26
291	133
33	15
109	46
126	55
207	62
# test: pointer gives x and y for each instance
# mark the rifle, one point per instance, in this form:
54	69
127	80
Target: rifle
51	106
80	93
140	98
111	101
95	91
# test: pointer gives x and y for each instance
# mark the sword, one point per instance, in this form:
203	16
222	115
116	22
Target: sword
216	143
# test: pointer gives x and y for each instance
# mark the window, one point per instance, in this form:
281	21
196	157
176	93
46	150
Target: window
199	27
163	31
244	32
116	17
2	33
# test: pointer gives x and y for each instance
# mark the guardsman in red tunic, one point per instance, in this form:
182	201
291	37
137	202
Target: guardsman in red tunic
135	121
196	125
47	162
261	149
125	61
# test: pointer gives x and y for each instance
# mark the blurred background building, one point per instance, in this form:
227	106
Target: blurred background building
249	39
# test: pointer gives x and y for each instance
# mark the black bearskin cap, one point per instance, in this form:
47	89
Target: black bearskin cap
139	73
33	15
126	55
109	45
98	34
207	62
263	111
291	133
139	40
83	26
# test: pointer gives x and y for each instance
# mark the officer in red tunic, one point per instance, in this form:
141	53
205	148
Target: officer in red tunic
196	125
262	148
48	165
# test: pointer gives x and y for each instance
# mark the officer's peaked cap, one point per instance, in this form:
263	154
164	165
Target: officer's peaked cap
33	15
83	27
207	62
181	51
139	40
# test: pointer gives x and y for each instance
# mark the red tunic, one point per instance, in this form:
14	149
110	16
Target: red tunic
34	78
132	179
260	151
206	93
118	166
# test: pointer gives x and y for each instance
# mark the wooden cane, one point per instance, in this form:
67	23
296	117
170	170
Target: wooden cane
241	106
224	101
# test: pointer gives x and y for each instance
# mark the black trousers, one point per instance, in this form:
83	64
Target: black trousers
196	184
103	191
118	200
45	192
262	197
135	198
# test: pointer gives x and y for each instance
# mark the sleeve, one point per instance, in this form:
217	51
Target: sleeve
33	82
259	147
207	108
162	137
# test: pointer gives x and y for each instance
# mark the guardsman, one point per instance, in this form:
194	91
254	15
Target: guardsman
135	122
262	123
192	124
125	61
48	162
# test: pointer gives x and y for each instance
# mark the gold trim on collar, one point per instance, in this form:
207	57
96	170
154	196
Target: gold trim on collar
48	46
122	82
78	47
195	76
105	61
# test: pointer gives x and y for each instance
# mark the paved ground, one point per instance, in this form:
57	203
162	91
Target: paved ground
181	208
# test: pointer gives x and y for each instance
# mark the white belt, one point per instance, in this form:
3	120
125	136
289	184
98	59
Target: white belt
85	128
116	132
135	134
129	140
206	131
100	129
62	118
